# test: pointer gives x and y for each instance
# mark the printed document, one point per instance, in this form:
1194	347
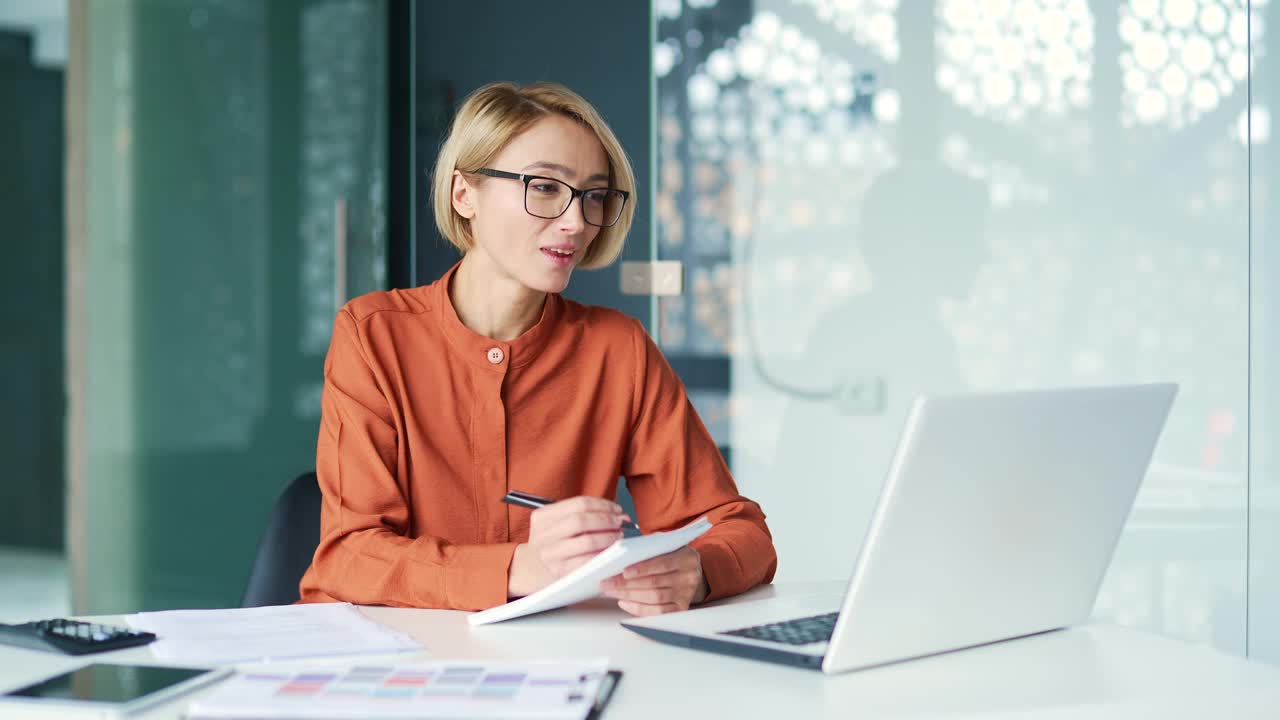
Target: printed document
215	637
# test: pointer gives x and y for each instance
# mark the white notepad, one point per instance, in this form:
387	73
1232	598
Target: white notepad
214	637
457	690
584	583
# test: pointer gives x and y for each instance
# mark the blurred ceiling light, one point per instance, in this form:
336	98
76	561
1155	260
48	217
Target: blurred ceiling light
1183	57
871	23
1005	58
1254	126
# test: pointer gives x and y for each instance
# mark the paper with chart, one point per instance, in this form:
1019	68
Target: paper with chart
584	583
214	637
472	690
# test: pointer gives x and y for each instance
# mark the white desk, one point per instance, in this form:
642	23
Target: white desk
1098	671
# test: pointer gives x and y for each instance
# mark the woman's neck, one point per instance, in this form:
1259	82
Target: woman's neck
491	303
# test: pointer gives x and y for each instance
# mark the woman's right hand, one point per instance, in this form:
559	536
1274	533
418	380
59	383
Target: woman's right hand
563	536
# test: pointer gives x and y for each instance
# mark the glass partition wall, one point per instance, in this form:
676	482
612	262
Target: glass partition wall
878	198
1264	355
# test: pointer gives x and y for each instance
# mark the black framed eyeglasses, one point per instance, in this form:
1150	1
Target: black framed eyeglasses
549	198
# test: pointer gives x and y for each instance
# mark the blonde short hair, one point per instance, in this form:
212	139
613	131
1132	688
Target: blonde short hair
489	119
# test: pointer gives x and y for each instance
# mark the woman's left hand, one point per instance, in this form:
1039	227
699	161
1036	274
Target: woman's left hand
667	583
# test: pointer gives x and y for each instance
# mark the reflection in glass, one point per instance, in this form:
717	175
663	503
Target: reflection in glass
975	203
340	143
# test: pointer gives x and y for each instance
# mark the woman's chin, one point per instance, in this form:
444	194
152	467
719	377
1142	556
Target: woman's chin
551	282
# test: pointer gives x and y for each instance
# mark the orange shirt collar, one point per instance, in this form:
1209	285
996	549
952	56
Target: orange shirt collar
478	349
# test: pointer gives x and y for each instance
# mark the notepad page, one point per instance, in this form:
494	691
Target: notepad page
584	583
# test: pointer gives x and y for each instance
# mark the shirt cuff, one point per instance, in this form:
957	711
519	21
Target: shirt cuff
720	567
477	576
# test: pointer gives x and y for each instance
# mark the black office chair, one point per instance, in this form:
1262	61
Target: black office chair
286	548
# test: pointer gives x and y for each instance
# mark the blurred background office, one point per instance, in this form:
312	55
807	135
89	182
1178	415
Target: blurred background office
865	199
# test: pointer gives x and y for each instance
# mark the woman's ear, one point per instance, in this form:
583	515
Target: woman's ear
460	194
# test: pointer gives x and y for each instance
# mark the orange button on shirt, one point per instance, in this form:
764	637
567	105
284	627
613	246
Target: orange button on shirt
426	425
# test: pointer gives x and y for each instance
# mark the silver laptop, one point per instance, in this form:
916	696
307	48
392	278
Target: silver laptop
998	520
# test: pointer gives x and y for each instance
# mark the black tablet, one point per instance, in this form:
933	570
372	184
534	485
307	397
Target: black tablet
103	690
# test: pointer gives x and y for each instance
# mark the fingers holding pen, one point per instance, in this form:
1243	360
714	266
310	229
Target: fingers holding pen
566	534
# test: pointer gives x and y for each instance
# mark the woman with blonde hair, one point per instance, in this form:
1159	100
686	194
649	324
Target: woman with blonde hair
439	399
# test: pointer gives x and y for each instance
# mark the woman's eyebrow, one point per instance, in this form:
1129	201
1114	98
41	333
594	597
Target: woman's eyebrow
556	167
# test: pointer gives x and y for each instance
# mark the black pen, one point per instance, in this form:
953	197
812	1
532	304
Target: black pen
529	500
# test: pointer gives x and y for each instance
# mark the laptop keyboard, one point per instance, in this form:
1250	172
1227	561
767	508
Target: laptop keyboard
800	631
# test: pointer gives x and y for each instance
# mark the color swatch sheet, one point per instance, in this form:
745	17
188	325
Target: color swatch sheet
461	689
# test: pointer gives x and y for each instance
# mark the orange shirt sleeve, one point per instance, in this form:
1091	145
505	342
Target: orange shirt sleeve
676	474
365	555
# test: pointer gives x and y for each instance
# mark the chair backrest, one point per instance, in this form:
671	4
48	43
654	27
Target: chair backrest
286	548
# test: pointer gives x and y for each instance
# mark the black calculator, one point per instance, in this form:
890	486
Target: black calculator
72	637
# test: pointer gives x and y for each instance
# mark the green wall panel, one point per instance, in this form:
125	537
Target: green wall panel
221	138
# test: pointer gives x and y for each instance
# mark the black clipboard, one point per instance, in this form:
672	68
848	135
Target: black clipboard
607	685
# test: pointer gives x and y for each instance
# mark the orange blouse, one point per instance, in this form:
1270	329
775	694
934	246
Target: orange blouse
426	425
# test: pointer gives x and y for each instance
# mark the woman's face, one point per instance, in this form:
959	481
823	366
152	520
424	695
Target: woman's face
538	253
